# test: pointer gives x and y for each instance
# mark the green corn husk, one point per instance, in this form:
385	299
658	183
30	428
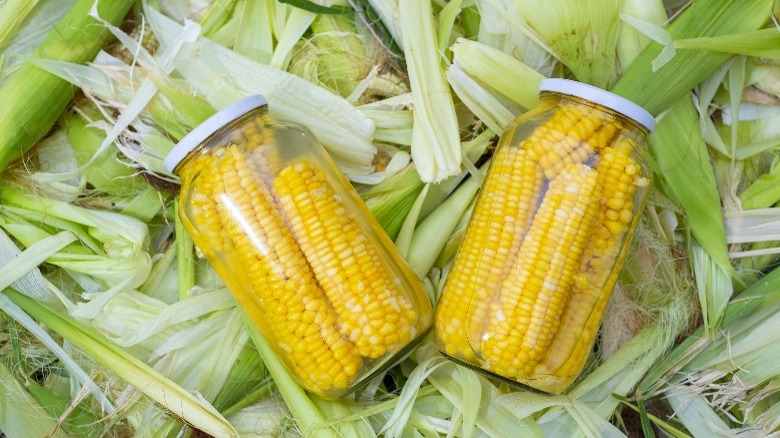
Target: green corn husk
343	59
106	173
137	373
432	233
727	383
763	192
216	15
686	174
659	90
631	42
79	421
583	35
763	43
247	382
506	75
20	413
34	99
309	419
12	15
753	305
435	135
254	38
392	199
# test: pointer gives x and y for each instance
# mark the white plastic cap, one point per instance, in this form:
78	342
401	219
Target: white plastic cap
601	97
209	126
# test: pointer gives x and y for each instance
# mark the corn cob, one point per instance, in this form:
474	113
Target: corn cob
536	289
275	275
496	229
373	311
620	177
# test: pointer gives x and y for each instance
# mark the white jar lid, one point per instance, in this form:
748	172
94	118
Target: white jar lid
601	97
209	126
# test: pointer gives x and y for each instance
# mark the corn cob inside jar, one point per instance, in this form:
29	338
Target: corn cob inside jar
528	287
297	247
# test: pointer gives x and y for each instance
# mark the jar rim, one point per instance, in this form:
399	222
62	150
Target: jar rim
601	97
209	126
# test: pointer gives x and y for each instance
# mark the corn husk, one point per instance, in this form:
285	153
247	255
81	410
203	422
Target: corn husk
659	90
76	38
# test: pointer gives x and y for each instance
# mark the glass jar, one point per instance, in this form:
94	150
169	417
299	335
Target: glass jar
297	247
548	236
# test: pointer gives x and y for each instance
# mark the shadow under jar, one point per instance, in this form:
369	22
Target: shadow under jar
548	236
297	247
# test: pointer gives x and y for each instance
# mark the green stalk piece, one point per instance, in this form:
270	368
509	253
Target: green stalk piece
33	99
659	90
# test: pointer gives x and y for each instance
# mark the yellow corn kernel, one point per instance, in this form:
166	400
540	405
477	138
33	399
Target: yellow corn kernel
572	135
497	226
260	147
619	176
534	293
201	203
275	276
373	311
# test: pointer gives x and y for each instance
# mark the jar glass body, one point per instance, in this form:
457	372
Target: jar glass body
300	252
548	236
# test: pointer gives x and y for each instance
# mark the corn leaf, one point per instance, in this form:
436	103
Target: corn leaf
295	24
395	424
655	33
658	91
524	404
763	43
106	171
216	15
391	200
333	409
388	12
684	165
255	35
493	418
22	272
30	35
